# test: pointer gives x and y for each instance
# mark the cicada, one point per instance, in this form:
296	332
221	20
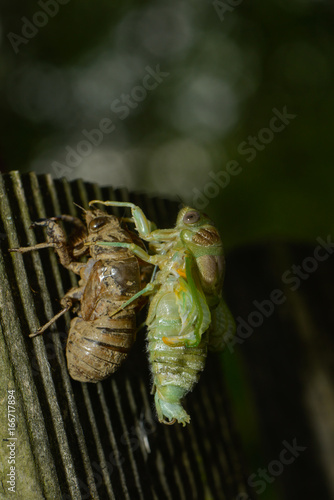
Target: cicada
187	313
98	340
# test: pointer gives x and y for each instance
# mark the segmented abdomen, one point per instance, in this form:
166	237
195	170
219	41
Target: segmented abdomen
98	341
96	349
175	369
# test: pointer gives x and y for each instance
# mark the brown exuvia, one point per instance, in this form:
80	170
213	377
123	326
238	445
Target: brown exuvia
101	335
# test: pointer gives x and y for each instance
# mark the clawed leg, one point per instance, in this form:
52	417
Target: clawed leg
56	239
67	302
55	235
39	246
137	250
146	229
77	236
143	225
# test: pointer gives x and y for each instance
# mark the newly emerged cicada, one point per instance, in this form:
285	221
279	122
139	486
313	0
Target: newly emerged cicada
187	313
98	340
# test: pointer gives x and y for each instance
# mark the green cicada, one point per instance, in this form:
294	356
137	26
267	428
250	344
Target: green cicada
187	313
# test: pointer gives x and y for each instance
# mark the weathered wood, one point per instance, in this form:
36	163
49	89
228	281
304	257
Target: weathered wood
99	441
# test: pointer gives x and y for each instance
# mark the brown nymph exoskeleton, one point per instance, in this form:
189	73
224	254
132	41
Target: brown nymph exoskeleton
101	334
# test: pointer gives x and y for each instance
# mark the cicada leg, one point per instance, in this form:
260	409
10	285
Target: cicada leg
38	246
72	296
146	229
143	225
137	250
56	239
67	302
78	233
145	291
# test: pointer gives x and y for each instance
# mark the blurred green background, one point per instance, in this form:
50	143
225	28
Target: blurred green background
228	66
186	94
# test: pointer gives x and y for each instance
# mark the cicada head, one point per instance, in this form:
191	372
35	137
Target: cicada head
202	239
97	219
105	227
197	228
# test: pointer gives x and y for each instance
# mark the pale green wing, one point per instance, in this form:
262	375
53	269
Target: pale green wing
193	308
222	327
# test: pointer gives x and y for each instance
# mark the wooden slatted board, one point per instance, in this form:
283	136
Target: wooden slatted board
99	441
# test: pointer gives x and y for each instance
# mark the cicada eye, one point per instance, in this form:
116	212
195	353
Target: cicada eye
191	217
97	223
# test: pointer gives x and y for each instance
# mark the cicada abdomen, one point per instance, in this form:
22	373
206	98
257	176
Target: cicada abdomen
98	342
175	369
178	308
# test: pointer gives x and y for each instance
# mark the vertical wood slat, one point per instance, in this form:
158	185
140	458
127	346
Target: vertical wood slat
18	355
112	440
36	189
103	440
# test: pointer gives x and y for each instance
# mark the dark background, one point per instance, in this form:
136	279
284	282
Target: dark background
230	71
